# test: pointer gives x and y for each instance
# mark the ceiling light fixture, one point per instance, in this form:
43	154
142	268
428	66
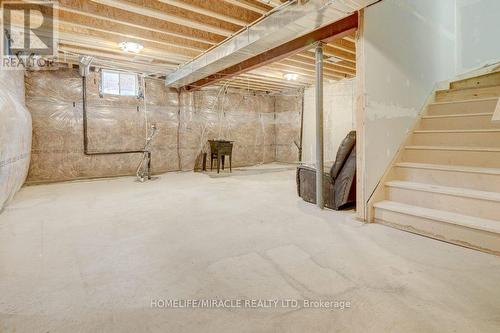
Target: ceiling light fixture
334	59
131	47
291	76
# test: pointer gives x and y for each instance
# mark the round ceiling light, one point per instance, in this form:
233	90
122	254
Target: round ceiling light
291	76
131	47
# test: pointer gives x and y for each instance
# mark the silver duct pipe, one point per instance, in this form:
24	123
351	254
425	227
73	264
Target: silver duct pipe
319	126
84	65
286	22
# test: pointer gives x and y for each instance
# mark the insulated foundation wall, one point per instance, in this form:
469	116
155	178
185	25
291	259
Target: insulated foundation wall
263	127
242	116
338	119
115	123
288	109
15	134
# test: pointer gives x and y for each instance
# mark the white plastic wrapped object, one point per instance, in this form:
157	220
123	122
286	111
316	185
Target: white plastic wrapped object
15	134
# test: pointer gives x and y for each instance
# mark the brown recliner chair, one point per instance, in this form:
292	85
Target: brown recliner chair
339	185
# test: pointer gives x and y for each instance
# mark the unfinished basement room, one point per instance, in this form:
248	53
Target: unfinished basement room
260	166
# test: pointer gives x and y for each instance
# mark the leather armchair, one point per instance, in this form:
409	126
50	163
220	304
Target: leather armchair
339	184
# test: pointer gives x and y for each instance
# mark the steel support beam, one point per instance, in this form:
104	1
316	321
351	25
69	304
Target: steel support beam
319	126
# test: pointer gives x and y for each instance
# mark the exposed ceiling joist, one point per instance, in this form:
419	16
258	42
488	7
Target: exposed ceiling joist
175	31
110	47
71	58
269	73
127	30
238	86
252	5
254	81
327	68
344	45
332	66
272	80
134	59
332	31
334	52
93	9
256	84
217	9
66	32
311	56
174	14
303	71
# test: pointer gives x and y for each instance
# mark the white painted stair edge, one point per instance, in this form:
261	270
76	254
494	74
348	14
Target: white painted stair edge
447	190
464	230
449	167
466	221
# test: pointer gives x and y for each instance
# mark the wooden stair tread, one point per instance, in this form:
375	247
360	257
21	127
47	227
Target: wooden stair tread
460	115
445	167
457	148
478	130
466	88
447	190
442	216
476	100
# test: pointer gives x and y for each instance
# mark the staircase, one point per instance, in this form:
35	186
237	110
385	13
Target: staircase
446	182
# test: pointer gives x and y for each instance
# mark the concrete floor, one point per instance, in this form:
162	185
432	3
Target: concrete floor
91	256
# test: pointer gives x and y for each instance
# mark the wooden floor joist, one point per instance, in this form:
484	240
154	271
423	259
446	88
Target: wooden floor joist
93	9
217	9
332	31
173	32
174	14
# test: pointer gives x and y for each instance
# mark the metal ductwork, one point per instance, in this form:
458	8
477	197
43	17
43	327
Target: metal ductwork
84	65
291	20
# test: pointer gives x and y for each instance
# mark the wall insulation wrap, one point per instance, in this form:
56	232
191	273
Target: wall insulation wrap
186	121
115	123
15	134
338	119
288	110
243	116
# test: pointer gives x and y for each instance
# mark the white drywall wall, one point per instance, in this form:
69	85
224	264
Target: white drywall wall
478	33
409	47
338	118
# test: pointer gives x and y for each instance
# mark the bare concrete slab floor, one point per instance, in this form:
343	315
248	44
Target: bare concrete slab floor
91	256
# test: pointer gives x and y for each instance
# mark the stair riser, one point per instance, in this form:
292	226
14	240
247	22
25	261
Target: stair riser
487	80
456	95
462	205
475	181
486	139
467	158
476	239
476	122
486	106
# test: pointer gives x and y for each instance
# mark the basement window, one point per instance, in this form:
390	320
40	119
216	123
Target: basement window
117	83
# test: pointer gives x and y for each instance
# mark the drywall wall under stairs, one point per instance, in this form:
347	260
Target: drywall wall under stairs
445	182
